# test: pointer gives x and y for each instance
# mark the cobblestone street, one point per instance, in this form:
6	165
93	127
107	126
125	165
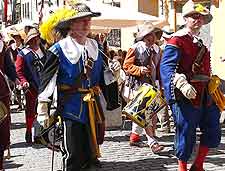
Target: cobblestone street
116	153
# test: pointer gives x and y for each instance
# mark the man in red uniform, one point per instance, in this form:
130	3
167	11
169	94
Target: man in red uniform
13	50
28	65
185	76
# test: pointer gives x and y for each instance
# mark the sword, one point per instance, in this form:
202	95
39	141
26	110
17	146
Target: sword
53	149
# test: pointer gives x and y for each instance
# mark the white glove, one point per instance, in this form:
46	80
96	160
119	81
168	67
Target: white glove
114	65
187	89
42	110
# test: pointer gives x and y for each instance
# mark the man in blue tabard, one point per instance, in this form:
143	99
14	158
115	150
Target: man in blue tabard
75	66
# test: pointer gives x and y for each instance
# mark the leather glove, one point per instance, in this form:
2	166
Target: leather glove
43	118
182	84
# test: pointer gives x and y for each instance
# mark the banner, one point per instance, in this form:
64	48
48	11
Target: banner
5	10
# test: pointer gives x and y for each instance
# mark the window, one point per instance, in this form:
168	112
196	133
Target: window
161	6
25	10
23	15
28	10
114	38
115	4
18	12
36	4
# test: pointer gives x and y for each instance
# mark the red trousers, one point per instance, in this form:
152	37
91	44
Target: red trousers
30	110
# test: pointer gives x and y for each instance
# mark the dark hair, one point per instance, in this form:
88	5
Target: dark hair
11	42
28	28
119	51
62	28
112	53
124	53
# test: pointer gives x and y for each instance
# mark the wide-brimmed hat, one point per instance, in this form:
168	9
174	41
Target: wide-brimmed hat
77	11
147	29
190	8
80	10
31	34
83	11
13	32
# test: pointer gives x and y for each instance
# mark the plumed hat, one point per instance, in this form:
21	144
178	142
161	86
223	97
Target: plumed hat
190	8
59	21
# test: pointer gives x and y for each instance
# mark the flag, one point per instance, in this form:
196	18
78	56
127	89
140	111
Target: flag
5	10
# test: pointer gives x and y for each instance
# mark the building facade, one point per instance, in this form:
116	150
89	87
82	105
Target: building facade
126	38
217	32
32	9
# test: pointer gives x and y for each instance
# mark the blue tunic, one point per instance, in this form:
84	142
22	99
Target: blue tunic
70	68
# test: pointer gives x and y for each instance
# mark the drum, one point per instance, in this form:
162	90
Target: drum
145	105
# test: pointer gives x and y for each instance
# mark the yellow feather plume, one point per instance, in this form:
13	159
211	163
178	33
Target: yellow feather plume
47	27
200	8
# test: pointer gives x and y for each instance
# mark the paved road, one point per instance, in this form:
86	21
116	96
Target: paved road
116	153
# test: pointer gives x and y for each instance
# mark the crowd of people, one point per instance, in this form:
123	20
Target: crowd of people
74	64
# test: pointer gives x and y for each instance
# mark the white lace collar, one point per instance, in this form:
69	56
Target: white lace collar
73	50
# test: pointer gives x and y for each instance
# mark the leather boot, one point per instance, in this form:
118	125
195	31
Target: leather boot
194	168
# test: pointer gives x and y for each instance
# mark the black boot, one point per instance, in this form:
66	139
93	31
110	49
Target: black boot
28	137
194	168
97	163
90	164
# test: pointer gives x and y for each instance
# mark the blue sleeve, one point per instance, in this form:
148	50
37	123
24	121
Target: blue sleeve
168	66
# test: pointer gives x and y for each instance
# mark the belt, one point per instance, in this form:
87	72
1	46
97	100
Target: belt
67	88
93	110
200	78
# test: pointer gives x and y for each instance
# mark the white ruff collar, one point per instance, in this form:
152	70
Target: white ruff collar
73	50
142	45
181	32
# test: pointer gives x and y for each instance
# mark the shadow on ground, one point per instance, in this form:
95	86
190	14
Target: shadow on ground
141	165
18	125
9	164
24	145
165	161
